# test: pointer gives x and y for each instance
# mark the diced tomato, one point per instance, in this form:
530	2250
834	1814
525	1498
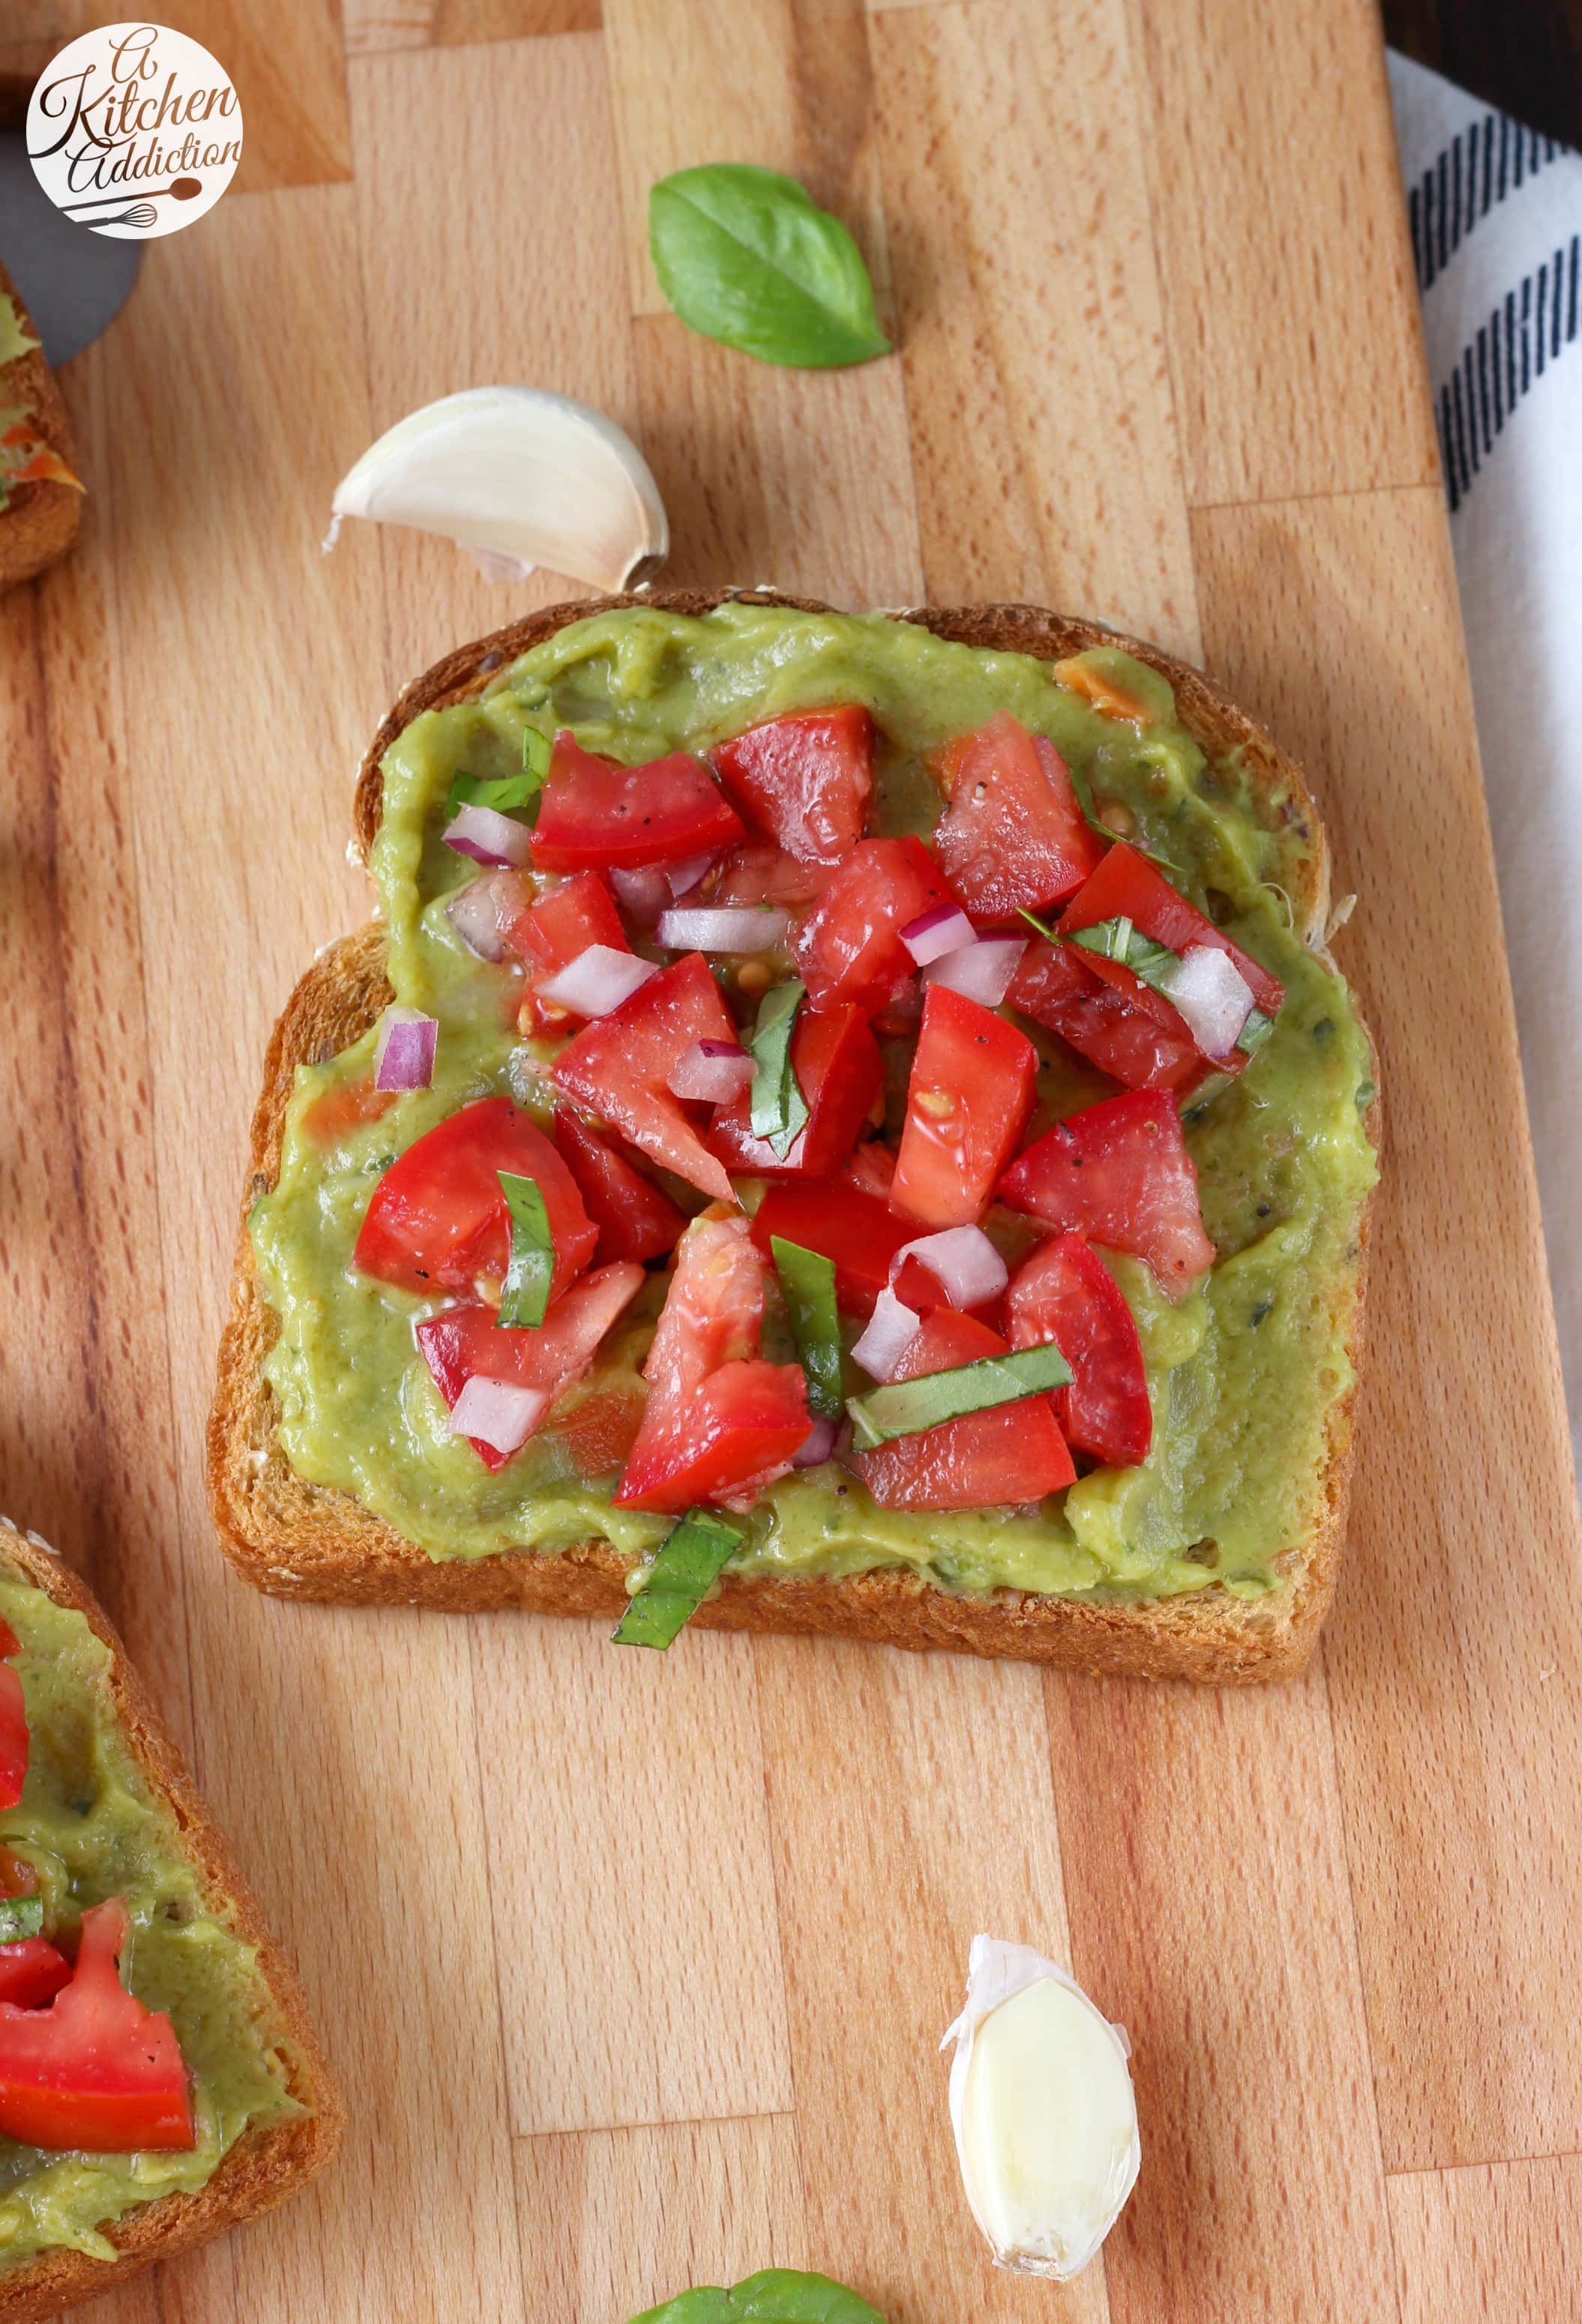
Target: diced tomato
619	1068
93	2070
849	947
841	1075
438	1219
1136	1038
635	1219
1126	886
1120	1173
465	1341
856	1228
720	1424
765	875
872	1168
599	1431
552	932
806	780
1011	1452
967	1107
14	1741
1014	836
32	1972
343	1107
595	815
1063	1292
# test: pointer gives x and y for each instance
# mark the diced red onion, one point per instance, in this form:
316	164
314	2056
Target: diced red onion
403	1054
714	1071
597	982
476	913
488	836
892	1328
819	1445
497	1412
982	971
963	1262
682	878
723	928
1213	996
942	928
643	893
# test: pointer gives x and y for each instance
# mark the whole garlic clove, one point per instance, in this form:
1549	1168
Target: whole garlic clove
520	477
1044	2111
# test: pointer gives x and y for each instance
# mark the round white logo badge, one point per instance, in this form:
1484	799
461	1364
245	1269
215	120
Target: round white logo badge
134	131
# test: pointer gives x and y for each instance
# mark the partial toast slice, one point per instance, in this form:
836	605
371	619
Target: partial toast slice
265	2165
298	1540
39	523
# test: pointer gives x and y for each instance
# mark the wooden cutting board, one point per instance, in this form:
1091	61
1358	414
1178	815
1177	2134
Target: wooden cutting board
635	1968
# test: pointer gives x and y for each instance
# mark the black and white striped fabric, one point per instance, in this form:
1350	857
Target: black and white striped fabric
1497	232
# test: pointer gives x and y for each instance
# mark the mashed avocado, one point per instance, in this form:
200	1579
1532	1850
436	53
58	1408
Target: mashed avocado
91	1828
1243	1374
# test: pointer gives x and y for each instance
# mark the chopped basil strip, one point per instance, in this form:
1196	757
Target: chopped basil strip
526	1294
1123	941
1033	921
807	1280
780	1110
1254	1032
777	2295
19	1917
511	793
908	1406
688	1563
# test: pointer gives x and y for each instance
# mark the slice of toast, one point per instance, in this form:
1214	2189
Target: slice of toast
298	1540
39	523
265	2165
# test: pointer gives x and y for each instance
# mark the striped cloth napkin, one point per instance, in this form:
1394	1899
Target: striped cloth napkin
1496	233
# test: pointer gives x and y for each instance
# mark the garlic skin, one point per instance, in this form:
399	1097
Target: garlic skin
1044	2111
521	478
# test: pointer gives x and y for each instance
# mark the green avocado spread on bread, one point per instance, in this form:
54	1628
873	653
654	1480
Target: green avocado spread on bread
1244	1374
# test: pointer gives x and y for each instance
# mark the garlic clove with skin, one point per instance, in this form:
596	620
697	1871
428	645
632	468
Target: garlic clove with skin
521	478
1044	2111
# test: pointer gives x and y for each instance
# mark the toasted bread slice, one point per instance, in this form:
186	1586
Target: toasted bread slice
298	1540
39	523
266	2164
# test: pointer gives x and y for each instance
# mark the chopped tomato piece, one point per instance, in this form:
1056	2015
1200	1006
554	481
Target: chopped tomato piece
93	2070
765	875
1120	1173
720	1424
872	1168
855	1228
1134	1037
595	815
1063	1292
806	780
967	1107
635	1219
849	947
437	1221
1011	1452
1126	886
343	1107
600	1430
552	932
1014	836
620	1066
32	1972
841	1074
465	1342
14	1742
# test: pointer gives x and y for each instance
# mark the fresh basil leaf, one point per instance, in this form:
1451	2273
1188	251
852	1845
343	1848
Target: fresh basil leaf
687	1564
507	794
1122	940
19	1917
747	256
779	1110
526	1295
807	1280
778	2295
1254	1033
906	1407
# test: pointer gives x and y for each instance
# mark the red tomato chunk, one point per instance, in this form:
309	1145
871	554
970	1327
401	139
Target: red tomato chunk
465	1342
1014	836
849	947
841	1075
597	816
1126	886
1133	1035
620	1068
1063	1292
1120	1173
438	1221
94	2068
32	1972
847	1224
1012	1452
551	933
967	1107
635	1219
806	780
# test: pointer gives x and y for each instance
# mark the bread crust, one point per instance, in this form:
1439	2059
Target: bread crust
39	523
297	1540
266	2166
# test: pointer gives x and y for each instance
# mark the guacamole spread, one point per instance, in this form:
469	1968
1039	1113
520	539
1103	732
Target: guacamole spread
91	1828
1242	1374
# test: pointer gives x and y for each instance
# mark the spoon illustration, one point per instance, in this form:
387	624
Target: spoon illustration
181	188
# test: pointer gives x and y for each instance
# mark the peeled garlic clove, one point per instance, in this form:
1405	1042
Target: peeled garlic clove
1044	2111
521	478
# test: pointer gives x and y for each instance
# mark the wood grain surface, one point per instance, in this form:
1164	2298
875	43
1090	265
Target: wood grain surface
634	1971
